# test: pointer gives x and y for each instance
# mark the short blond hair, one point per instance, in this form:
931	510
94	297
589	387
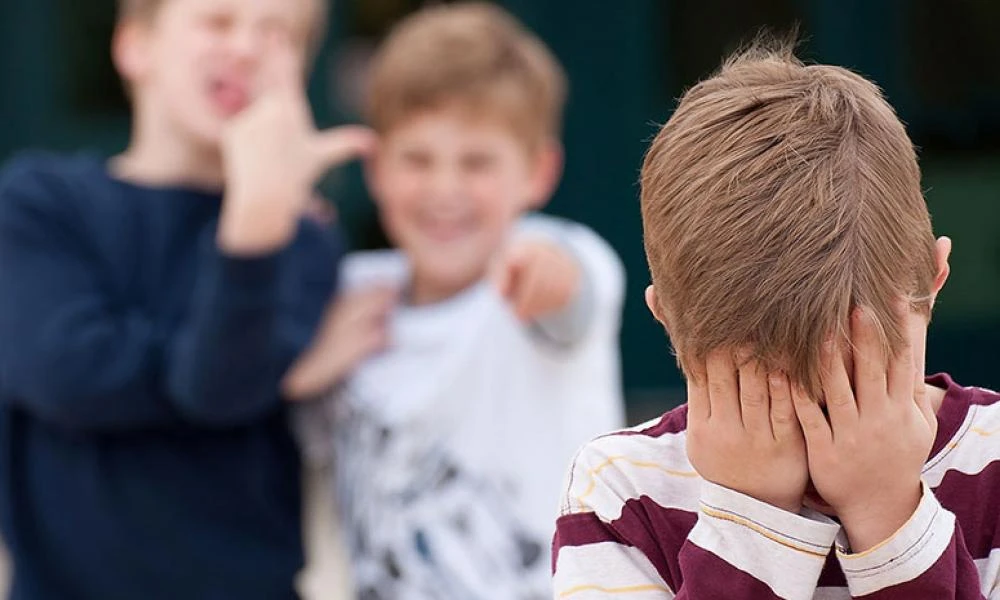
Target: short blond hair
146	10
777	198
474	56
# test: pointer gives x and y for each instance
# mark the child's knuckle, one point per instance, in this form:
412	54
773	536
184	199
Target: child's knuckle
782	417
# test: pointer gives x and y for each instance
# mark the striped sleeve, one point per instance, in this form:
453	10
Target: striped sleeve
592	561
782	550
677	536
925	560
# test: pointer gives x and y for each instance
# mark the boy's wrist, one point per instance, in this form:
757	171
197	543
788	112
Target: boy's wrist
903	556
874	522
249	229
792	506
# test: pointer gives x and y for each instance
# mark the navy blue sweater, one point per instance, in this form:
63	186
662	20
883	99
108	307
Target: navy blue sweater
144	449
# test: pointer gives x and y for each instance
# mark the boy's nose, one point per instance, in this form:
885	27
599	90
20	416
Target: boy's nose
446	183
246	44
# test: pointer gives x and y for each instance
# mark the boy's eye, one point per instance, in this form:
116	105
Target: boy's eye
218	21
417	160
477	162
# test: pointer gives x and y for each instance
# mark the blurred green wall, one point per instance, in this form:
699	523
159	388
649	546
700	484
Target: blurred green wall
627	61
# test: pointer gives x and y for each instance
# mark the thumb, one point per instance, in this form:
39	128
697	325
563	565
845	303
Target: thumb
506	271
338	145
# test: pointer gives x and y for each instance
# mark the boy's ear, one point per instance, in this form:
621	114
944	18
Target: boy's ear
547	170
371	174
130	51
943	250
654	305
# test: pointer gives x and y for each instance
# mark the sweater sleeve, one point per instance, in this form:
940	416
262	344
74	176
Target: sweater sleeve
250	318
67	354
599	298
73	356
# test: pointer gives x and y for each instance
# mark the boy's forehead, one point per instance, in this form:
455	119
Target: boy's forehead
298	9
459	121
297	12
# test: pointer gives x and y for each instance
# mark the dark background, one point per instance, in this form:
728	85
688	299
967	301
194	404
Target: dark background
938	61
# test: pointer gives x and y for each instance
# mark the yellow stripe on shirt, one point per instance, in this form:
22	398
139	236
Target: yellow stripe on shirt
630	589
757	528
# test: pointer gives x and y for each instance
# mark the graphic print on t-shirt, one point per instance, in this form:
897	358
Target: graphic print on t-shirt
420	524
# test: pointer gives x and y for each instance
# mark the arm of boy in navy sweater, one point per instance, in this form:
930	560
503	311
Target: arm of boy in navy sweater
246	327
72	357
68	355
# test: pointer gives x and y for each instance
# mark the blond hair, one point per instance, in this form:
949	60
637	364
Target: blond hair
777	198
146	10
474	56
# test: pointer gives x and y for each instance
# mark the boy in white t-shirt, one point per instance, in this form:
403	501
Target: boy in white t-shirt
495	335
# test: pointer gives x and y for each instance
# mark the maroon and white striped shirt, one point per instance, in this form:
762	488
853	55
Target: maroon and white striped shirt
637	522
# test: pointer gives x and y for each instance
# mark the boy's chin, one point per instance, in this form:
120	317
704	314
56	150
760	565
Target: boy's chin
205	130
210	129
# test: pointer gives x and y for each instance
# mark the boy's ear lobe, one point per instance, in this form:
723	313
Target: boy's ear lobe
547	171
654	305
943	250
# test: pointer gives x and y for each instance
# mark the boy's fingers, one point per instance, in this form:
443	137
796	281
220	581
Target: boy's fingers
381	304
924	404
723	387
377	339
503	280
755	407
869	360
367	304
783	422
697	394
530	287
281	69
923	399
901	376
815	427
506	271
837	389
340	144
544	293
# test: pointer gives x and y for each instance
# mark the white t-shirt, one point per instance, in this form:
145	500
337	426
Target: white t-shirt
450	448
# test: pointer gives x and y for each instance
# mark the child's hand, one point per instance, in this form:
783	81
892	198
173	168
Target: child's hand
354	327
742	433
274	155
866	460
536	277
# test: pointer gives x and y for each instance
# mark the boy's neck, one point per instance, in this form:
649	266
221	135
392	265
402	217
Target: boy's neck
157	156
424	291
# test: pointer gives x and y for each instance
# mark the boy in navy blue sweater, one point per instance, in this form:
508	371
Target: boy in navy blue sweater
151	305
